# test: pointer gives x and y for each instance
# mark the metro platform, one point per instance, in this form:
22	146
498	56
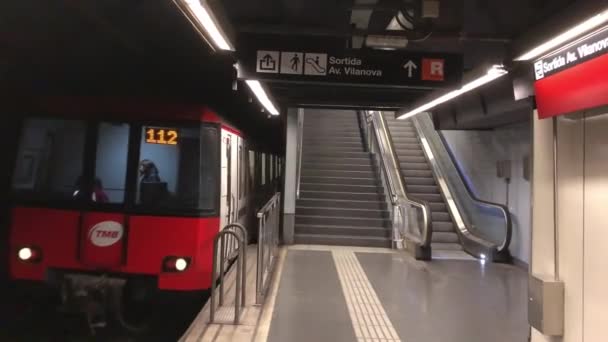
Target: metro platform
335	293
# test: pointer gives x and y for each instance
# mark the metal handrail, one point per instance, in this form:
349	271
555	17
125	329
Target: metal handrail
268	243
396	187
443	184
503	208
232	241
300	137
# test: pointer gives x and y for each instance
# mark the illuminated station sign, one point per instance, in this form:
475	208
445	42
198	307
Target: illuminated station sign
573	78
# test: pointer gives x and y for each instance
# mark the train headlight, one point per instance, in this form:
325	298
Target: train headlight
29	254
176	264
181	264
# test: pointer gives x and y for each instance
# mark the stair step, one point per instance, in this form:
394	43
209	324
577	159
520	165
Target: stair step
404	146
316	144
336	160
342	212
309	229
416	173
339	240
405	132
339	195
414	166
336	167
330	153
341	180
337	203
440	216
445	237
411	159
438	207
421	189
420	181
431	198
332	150
407	140
446	246
409	152
342	221
338	173
341	188
443	227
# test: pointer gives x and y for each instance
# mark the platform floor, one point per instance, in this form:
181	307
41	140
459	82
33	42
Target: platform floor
338	294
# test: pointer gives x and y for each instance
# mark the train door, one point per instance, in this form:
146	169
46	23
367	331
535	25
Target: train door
242	188
229	178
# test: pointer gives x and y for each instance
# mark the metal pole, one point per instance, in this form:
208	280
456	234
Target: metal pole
213	280
221	275
239	275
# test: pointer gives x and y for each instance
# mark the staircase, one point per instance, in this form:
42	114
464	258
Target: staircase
420	183
341	200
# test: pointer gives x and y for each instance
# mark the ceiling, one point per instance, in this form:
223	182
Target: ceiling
148	47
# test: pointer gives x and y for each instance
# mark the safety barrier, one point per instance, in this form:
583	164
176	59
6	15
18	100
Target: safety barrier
232	244
268	241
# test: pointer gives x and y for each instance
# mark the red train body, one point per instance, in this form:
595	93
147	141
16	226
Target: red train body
64	223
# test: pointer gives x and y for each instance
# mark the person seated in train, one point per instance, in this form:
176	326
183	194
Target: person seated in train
99	195
152	191
148	172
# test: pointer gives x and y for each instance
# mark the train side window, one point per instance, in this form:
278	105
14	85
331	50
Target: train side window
251	169
241	172
49	159
263	181
111	163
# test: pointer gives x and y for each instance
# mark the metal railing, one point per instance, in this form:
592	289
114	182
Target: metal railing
268	243
300	137
411	218
232	244
475	219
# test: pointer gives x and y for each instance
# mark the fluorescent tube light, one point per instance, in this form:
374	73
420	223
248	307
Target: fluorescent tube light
492	74
587	25
213	30
259	92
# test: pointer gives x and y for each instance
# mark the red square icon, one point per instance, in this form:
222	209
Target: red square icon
432	69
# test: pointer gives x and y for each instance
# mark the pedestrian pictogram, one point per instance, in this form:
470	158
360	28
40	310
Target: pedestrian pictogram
433	69
410	66
315	64
268	62
292	63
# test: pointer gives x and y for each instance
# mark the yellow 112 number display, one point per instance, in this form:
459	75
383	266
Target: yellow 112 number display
164	136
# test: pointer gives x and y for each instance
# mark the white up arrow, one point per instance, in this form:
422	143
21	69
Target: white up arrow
410	66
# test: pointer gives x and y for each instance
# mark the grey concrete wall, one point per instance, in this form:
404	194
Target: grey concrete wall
477	153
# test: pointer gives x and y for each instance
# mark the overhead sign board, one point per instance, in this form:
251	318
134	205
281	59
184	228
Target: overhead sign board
579	52
390	68
574	78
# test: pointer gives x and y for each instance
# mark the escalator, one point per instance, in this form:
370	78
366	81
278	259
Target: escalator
458	220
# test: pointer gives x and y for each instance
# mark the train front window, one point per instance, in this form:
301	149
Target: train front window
111	163
50	159
176	167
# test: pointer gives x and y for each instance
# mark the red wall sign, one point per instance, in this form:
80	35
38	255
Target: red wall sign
574	79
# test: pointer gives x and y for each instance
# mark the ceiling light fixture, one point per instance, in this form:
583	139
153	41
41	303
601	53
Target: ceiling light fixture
493	73
546	47
204	17
260	93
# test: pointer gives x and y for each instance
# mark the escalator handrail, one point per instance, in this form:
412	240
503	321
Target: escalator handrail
507	217
503	208
398	192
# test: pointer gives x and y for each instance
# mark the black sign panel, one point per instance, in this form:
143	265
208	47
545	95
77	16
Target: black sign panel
387	68
579	52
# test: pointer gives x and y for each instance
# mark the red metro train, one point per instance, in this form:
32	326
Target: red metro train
127	194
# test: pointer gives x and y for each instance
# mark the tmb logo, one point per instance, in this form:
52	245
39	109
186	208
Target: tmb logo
106	233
